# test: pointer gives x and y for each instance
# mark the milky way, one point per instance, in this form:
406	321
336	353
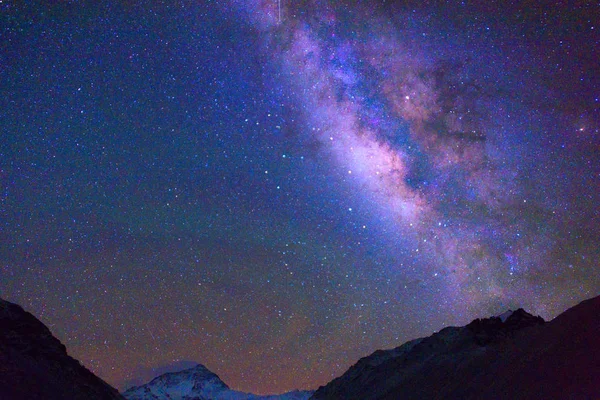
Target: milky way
421	133
277	192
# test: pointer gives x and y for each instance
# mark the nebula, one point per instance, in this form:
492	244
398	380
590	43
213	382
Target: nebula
437	164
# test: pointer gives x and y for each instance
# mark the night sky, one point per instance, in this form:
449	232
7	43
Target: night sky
277	192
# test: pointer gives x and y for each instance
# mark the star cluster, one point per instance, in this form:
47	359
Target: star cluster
276	189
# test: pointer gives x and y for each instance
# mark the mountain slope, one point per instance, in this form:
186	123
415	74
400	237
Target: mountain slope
515	356
35	365
198	383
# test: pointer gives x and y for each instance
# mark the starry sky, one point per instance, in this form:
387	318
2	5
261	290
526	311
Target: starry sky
278	188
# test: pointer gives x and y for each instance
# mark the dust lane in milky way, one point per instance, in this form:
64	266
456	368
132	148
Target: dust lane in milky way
276	189
423	135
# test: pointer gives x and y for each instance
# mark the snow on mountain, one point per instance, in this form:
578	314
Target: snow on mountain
198	383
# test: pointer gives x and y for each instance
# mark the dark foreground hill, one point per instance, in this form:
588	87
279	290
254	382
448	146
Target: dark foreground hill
514	356
35	365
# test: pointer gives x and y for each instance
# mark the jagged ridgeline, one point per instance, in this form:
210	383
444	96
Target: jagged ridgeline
513	356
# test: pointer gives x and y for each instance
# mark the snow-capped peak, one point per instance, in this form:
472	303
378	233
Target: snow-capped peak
195	382
198	383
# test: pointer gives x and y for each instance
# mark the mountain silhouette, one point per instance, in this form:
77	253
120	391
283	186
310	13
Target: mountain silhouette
513	356
35	365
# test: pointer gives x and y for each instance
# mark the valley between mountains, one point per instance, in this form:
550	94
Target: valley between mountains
515	355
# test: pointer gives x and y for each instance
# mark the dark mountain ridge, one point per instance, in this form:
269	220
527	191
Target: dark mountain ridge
514	356
35	365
